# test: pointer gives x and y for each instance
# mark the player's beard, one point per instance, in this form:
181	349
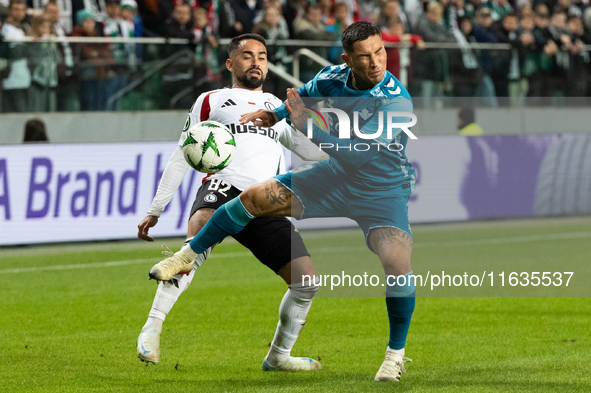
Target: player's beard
251	82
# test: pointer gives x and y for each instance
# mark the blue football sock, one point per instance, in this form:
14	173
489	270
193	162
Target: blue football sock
400	301
228	220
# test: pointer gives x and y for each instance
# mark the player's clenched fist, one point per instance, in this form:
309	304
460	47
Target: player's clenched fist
144	226
260	118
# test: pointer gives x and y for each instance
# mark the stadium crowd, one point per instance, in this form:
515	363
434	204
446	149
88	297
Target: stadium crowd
547	40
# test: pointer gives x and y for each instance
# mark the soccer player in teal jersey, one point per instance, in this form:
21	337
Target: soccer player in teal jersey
372	187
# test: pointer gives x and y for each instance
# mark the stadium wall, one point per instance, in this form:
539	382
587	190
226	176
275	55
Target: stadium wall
166	125
69	192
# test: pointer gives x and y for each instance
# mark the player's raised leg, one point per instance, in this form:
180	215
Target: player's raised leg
394	247
167	293
270	198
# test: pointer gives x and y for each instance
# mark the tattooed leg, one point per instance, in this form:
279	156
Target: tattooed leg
394	247
270	198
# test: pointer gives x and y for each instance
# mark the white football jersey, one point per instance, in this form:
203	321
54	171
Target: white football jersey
259	155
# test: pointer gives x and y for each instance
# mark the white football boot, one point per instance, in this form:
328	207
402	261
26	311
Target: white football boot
293	364
177	263
392	368
148	346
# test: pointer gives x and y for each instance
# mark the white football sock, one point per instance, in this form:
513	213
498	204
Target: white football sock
166	296
396	351
292	316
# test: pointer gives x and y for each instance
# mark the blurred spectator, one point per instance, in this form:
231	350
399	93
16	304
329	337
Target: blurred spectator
179	25
483	32
432	65
430	26
341	19
526	9
273	27
129	14
467	125
339	22
391	9
35	131
399	63
540	57
95	70
326	8
206	53
16	84
500	8
221	18
43	59
507	62
463	10
245	12
292	10
66	92
152	19
369	10
124	54
63	12
179	74
311	28
560	55
528	43
97	8
577	76
353	9
568	8
541	8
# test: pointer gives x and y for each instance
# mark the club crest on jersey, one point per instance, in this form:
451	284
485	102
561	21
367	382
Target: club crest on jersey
187	123
211	198
269	106
365	114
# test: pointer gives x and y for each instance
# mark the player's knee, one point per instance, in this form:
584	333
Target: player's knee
251	200
305	290
247	197
396	263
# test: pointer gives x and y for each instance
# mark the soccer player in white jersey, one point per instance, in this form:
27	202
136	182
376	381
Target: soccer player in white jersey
273	240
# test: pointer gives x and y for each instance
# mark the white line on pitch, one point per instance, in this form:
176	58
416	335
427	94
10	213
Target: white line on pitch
110	263
461	243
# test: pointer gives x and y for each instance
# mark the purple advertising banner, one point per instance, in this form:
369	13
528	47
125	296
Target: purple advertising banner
502	174
102	191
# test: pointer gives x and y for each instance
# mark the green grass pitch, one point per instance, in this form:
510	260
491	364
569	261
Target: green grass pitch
70	315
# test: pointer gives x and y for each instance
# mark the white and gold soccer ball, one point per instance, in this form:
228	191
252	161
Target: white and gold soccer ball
209	146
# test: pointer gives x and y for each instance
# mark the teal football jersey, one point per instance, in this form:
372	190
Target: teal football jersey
385	169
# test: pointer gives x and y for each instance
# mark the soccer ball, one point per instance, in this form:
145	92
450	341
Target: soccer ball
209	147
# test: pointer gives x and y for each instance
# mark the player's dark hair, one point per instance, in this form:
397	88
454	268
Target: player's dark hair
35	131
358	31
250	36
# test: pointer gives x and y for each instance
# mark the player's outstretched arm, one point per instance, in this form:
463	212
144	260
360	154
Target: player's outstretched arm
260	118
144	226
169	182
